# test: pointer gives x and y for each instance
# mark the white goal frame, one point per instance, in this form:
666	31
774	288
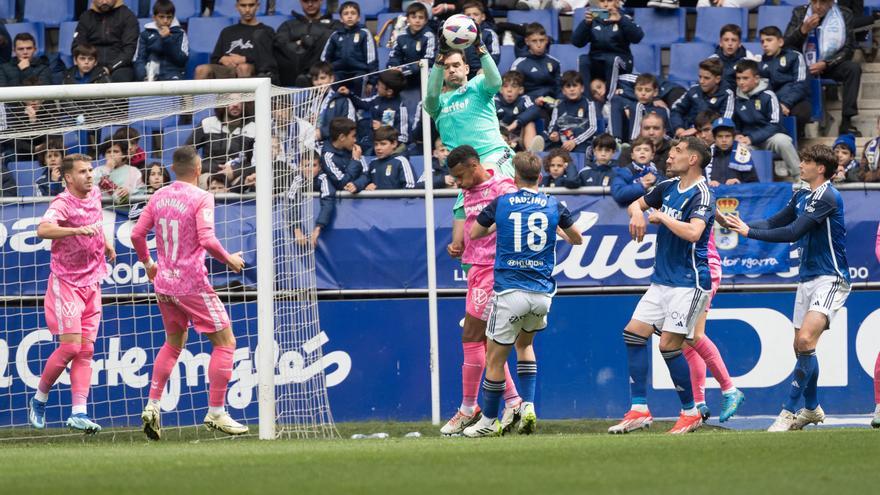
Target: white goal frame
262	90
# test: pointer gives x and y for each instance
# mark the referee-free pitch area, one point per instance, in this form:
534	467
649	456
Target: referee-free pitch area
564	457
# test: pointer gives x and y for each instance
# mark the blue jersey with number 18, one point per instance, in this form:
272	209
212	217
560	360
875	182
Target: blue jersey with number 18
525	249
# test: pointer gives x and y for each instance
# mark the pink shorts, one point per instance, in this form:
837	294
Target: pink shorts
715	273
480	280
204	311
71	309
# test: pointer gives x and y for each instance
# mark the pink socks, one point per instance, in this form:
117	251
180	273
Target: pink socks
511	396
877	380
219	373
698	373
707	350
81	376
56	364
472	372
162	368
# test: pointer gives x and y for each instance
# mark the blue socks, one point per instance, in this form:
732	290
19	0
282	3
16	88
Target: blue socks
637	358
492	392
807	366
527	373
681	376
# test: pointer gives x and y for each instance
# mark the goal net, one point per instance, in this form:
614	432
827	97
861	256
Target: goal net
257	144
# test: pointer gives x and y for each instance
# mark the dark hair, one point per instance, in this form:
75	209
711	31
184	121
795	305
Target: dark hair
106	145
24	37
473	4
535	28
184	161
746	64
770	31
605	141
69	160
166	177
393	80
454	51
705	117
53	143
514	78
571	78
163	7
821	154
731	28
556	152
218	177
85	50
341	126
647	78
385	133
319	68
350	5
696	146
643	140
415	8
126	133
462	155
713	66
528	166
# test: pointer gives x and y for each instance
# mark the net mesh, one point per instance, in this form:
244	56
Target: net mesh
222	126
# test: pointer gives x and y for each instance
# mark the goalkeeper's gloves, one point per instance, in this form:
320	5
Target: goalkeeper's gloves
478	43
442	50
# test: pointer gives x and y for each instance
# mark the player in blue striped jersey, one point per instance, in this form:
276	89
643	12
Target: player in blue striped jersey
525	254
814	219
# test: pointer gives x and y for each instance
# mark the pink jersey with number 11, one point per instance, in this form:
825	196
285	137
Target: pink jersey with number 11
183	217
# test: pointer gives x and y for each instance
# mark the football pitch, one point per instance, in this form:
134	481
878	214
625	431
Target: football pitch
565	457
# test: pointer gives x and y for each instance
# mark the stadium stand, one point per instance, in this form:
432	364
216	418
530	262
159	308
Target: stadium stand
772	15
507	58
549	18
26	174
568	55
49	12
7	9
661	27
35	28
711	19
646	58
683	60
287	6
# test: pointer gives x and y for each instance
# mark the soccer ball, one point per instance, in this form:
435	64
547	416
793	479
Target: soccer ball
459	31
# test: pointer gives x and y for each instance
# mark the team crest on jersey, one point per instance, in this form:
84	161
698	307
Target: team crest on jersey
580	113
782	61
357	37
418	46
758	105
726	239
713	100
549	67
614	28
516	111
388	170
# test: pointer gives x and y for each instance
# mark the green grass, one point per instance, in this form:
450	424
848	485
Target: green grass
566	457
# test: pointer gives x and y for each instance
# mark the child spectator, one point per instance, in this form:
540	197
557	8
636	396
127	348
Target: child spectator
627	113
757	119
352	51
137	157
731	161
848	169
163	48
243	49
311	170
870	171
386	107
600	170
225	138
703	124
476	10
516	111
440	171
50	155
541	71
786	70
390	169
156	176
730	50
116	177
416	43
609	34
573	121
560	171
85	68
335	104
217	184
632	180
25	64
710	93
341	157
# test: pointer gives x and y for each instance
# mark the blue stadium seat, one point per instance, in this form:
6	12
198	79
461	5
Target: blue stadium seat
287	6
370	9
507	58
26	175
870	5
816	103
183	9
763	164
203	32
646	58
134	6
662	26
145	141
795	3
567	55
382	19
684	58
7	9
65	37
383	53
418	165
71	142
143	21
711	19
225	8
790	125
273	21
547	17
35	28
754	47
773	15
173	138
49	12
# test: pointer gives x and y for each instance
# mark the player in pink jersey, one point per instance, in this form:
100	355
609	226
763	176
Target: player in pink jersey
701	353
183	217
480	186
875	422
73	297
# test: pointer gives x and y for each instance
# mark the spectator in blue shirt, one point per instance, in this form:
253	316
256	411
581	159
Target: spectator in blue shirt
599	171
390	169
85	68
352	51
541	71
476	10
386	107
627	114
559	170
50	155
163	48
341	157
334	104
730	50
710	93
516	111
786	70
310	171
573	121
731	161
416	43
632	180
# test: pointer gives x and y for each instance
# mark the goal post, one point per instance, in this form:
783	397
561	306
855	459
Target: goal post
276	114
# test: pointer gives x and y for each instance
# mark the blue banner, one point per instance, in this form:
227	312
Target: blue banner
376	359
380	244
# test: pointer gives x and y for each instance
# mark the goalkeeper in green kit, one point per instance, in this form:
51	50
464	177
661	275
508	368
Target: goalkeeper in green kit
464	113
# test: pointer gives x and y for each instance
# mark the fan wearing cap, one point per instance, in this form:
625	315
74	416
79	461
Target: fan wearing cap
732	161
848	169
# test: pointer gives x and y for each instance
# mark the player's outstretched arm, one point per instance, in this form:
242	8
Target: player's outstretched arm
689	231
435	81
637	224
51	230
788	233
573	236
